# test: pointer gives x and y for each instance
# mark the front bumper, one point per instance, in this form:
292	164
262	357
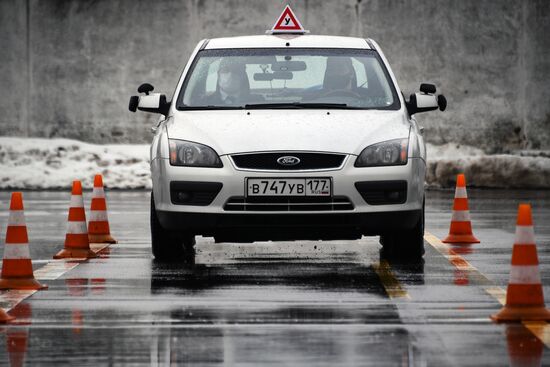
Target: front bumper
273	227
363	218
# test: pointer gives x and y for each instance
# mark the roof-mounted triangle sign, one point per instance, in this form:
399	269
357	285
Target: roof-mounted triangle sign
287	23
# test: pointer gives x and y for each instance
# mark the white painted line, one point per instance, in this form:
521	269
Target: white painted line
13	297
54	269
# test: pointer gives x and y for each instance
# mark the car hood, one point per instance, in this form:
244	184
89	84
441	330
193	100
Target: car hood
239	131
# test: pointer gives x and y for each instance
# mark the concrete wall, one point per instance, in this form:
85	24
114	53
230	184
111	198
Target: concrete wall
67	68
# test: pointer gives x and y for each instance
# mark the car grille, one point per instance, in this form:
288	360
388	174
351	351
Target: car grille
290	204
268	161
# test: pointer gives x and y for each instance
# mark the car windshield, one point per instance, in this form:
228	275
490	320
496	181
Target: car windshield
287	78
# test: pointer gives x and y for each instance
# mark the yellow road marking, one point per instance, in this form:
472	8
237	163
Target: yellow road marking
540	329
389	281
51	271
498	293
462	264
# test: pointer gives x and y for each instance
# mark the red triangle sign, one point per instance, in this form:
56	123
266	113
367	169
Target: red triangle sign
288	23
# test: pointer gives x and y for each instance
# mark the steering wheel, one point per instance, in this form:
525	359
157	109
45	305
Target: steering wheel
342	93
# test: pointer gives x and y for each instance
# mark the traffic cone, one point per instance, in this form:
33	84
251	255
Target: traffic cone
524	297
98	226
461	226
77	244
16	266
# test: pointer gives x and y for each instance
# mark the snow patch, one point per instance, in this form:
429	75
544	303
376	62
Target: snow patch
482	170
34	163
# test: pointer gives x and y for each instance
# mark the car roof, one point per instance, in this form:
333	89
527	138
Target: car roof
281	40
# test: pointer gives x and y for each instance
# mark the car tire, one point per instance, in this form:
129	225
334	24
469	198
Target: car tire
406	244
169	246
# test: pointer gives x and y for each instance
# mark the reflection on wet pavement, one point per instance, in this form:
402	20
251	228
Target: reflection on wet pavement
336	303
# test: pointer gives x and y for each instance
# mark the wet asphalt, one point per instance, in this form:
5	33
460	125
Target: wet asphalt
283	303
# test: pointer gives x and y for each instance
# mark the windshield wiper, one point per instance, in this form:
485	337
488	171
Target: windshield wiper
211	107
295	105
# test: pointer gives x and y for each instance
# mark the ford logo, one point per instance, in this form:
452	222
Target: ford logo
288	160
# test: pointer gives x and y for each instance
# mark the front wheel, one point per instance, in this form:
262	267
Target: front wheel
167	245
406	244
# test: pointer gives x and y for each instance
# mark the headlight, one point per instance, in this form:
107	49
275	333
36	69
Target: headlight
186	153
388	153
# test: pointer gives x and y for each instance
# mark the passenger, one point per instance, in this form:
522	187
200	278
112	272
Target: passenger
233	87
339	80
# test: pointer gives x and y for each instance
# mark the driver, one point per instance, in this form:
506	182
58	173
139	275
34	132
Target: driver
232	87
339	75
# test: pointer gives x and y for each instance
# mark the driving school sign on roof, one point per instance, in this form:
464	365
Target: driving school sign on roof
287	23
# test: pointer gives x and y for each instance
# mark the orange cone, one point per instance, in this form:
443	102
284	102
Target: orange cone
461	226
77	244
16	266
98	227
524	297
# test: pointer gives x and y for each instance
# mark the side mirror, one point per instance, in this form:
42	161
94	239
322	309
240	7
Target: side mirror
150	102
426	100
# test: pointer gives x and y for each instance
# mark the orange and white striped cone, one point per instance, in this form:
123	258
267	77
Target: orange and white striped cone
77	244
16	266
524	297
461	225
98	226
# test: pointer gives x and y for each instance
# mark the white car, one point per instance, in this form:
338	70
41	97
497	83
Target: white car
287	137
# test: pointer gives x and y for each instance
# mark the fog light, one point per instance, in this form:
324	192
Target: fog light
393	195
184	196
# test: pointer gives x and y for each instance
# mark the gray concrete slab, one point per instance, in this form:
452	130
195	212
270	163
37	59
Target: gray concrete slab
288	303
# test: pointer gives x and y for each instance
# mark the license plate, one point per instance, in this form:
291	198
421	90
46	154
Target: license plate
288	187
